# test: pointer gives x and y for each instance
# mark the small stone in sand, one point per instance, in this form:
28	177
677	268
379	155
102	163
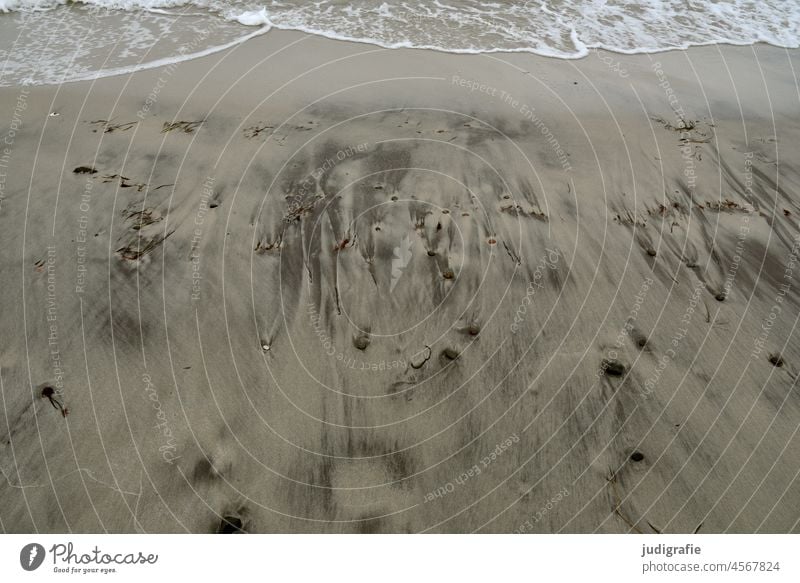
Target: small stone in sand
637	456
85	170
361	342
720	297
776	360
450	353
613	367
651	252
230	525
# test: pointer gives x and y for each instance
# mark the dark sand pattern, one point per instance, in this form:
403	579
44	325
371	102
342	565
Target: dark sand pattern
408	308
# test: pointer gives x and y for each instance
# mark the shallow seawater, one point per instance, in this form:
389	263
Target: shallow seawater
83	42
45	41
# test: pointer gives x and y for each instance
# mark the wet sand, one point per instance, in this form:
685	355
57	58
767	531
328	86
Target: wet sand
313	286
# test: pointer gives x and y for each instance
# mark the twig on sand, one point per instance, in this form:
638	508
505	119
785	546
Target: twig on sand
50	394
187	127
617	503
108	127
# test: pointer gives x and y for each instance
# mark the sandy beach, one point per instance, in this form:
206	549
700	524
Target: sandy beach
306	285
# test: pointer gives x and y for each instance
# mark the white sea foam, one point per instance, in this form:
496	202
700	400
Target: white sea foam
555	28
254	18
